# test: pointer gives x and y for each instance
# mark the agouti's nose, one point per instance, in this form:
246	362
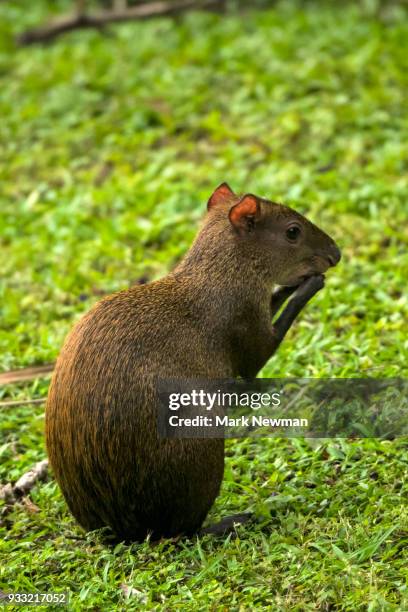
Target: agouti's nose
334	256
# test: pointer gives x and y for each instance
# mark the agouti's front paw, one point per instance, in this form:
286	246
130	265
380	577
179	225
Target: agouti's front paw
310	286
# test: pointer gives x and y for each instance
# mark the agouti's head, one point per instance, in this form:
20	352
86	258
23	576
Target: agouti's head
278	240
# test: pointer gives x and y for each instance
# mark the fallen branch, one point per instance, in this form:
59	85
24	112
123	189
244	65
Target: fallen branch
99	19
12	493
24	374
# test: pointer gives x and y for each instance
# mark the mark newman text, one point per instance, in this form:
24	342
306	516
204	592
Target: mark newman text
242	421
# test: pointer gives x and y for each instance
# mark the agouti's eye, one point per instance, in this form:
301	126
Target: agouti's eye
292	233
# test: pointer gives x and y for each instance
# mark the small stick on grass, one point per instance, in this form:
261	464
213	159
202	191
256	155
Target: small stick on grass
12	493
11	403
26	374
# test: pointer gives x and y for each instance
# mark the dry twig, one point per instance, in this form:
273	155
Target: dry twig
23	402
12	493
26	374
80	19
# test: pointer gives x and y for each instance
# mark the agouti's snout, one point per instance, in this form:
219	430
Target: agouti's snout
323	259
334	256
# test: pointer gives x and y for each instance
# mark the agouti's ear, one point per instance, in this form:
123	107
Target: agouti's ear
222	193
244	215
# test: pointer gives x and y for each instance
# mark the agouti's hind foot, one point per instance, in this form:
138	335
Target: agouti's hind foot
227	525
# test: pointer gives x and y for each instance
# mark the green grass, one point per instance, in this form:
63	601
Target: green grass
110	146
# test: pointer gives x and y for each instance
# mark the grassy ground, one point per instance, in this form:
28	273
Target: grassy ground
110	145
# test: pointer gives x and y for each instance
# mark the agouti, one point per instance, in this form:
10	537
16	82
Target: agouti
209	318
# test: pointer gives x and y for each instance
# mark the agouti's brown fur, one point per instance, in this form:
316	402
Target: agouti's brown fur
210	318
